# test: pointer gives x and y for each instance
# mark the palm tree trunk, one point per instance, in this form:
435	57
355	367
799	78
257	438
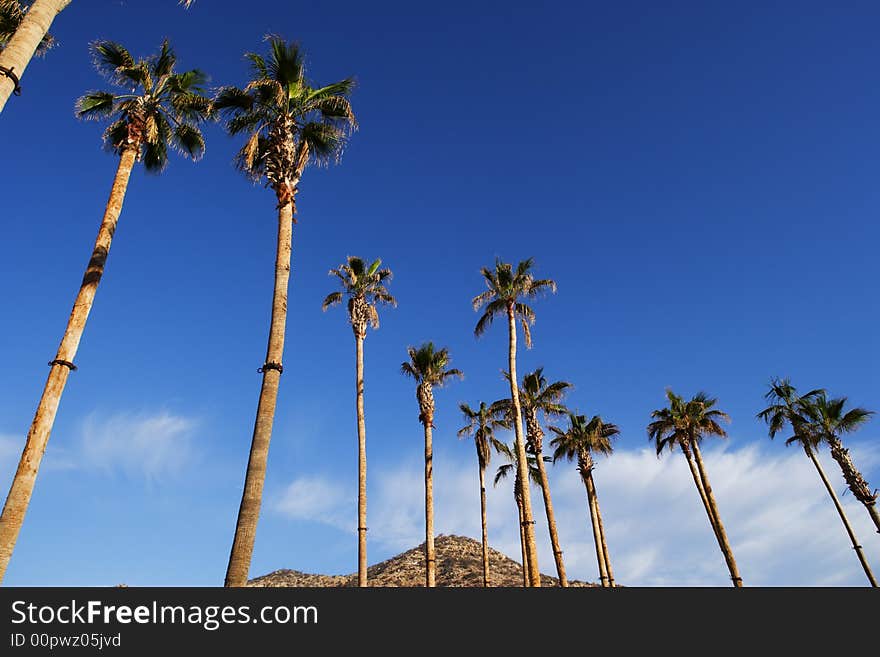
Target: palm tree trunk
430	556
528	521
522	542
600	556
699	484
23	44
485	527
849	530
872	511
38	435
854	479
551	519
719	526
591	485
252	496
362	465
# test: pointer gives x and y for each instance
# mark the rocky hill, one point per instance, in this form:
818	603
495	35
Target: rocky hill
459	563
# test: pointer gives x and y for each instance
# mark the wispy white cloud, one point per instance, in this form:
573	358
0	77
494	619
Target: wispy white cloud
151	445
782	525
315	498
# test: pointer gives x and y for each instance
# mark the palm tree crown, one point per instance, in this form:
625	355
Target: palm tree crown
289	122
505	288
582	438
428	365
828	419
685	423
482	424
365	287
11	15
158	109
787	407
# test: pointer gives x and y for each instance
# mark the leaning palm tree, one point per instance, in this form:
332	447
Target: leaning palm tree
157	109
23	33
581	439
831	421
365	288
537	396
506	288
481	425
427	366
12	15
685	424
535	478
800	412
290	124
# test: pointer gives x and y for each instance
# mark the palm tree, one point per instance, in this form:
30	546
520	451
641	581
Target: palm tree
12	14
800	412
829	419
159	108
505	289
581	439
536	396
290	124
512	465
427	366
365	287
684	424
22	34
481	425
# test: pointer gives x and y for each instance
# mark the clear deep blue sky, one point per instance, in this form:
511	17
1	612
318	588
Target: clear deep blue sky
699	178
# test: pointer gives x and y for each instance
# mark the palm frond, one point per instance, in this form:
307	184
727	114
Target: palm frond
110	58
164	62
95	105
189	140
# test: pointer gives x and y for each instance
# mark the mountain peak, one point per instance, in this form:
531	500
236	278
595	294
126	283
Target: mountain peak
459	564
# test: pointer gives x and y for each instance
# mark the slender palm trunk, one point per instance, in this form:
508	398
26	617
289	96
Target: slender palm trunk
252	496
591	485
854	479
522	541
528	521
699	484
484	526
24	43
716	516
551	519
872	511
430	556
362	465
600	556
849	530
38	435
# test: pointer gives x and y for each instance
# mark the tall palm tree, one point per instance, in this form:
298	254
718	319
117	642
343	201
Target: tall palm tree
481	425
799	412
12	14
831	421
537	396
290	124
685	424
427	366
365	288
505	290
22	34
581	439
158	109
534	475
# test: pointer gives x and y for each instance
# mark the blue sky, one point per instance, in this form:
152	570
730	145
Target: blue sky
700	179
